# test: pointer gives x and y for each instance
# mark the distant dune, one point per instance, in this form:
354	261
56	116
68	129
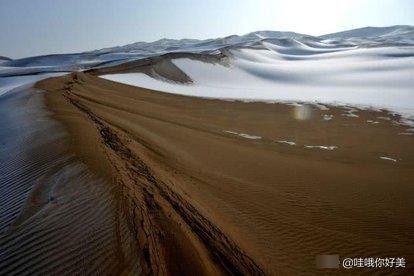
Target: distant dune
4	58
375	32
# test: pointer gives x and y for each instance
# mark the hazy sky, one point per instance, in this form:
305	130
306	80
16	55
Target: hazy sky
35	27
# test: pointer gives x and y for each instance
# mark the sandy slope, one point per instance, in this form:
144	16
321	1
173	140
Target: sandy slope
210	186
56	215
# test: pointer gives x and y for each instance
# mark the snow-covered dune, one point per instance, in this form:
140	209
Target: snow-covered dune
374	36
10	83
375	33
363	77
364	67
283	42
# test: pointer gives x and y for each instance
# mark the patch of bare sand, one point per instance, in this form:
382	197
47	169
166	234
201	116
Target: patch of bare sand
56	215
201	199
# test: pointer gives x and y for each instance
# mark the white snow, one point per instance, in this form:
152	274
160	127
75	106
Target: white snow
286	142
388	158
321	147
366	78
328	117
9	83
384	118
244	135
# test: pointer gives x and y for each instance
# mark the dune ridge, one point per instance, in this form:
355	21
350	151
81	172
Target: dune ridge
56	215
144	199
219	202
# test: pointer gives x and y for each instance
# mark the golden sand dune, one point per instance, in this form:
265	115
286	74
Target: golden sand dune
57	217
183	185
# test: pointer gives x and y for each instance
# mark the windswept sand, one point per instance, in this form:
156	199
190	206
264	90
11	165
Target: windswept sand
216	187
56	215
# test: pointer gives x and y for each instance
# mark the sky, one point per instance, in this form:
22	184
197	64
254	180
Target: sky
38	27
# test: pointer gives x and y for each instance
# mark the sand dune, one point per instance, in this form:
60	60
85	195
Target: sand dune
242	204
239	155
56	216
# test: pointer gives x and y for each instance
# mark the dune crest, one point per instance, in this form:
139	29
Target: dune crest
170	155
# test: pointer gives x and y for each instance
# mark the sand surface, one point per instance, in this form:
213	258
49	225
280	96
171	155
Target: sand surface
56	215
212	187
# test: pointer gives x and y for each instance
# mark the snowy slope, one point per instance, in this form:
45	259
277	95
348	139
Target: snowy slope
369	66
375	36
363	77
280	41
374	32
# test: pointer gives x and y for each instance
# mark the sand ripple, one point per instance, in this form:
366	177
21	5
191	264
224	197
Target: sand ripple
56	217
